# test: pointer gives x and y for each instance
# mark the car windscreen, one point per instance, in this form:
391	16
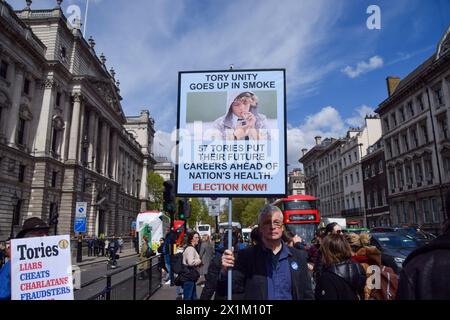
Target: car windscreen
396	241
203	228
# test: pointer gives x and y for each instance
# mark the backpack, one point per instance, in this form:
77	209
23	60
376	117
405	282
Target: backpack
388	284
177	263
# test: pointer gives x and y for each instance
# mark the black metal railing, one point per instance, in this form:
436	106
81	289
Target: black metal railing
142	281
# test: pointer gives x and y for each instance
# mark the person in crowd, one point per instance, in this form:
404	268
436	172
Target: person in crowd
315	255
192	262
101	244
169	241
341	278
255	237
3	253
206	254
32	227
96	246
425	272
212	277
333	228
113	247
293	240
270	270
120	242
161	263
144	264
369	256
90	245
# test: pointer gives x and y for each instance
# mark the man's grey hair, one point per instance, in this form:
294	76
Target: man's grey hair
269	209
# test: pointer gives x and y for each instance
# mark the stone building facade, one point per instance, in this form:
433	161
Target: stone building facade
63	134
296	182
375	186
415	120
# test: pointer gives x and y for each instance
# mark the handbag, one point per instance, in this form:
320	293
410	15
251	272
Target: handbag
148	253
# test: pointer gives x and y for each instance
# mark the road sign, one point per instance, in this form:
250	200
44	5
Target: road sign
214	208
80	217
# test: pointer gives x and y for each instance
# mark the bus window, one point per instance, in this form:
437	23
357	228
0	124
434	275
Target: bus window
300	205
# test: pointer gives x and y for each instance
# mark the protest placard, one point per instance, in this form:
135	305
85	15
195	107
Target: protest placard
41	268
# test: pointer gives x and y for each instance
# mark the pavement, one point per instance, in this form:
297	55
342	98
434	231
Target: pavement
86	260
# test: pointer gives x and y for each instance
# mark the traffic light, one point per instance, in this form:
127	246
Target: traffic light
169	197
187	209
181	209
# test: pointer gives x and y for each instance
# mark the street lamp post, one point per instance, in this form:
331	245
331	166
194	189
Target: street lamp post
85	144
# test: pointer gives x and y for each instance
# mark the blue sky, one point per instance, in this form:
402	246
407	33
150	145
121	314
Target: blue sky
321	43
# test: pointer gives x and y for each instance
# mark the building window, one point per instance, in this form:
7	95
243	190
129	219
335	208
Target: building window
21	173
419	173
409	179
426	210
439	97
447	166
26	86
21	132
375	199
397	211
405	212
414	138
3	69
420	102
356	156
346	181
394	119
412	206
386	123
54	142
435	209
429	170
411	108
349	159
405	142
54	177
402	114
357	177
443	127
351	178
392	179
397	146
380	166
389	149
58	99
401	181
424	133
16	213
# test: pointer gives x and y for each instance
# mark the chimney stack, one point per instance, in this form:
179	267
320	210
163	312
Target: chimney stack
318	140
392	83
304	150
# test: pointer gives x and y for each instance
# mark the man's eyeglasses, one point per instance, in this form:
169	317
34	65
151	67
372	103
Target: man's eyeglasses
276	224
339	232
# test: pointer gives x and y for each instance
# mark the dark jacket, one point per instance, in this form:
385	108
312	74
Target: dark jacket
212	279
250	274
425	273
341	281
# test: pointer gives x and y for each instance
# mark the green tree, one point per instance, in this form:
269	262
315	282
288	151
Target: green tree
155	191
250	215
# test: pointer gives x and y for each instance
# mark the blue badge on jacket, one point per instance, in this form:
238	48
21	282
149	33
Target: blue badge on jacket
294	265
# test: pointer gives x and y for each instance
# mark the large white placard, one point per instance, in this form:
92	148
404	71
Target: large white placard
232	133
41	268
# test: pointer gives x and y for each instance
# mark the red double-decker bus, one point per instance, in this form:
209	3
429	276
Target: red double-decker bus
300	215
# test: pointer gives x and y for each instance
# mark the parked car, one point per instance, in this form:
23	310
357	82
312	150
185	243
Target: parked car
394	247
419	235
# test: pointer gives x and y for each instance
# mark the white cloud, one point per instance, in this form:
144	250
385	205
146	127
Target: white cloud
327	123
357	120
363	67
163	145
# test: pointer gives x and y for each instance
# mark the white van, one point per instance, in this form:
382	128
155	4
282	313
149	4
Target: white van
204	229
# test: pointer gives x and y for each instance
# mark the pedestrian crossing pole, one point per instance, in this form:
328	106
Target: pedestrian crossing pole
230	244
